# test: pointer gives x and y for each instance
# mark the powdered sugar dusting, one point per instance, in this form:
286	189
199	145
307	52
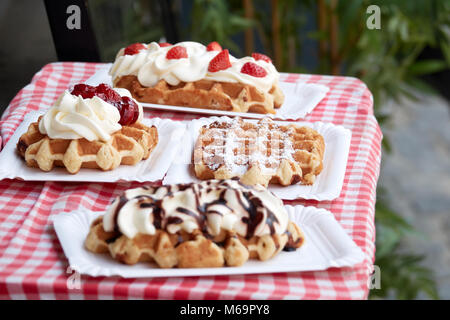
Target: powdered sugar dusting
238	145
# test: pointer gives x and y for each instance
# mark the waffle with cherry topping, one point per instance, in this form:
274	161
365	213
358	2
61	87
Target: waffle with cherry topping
131	144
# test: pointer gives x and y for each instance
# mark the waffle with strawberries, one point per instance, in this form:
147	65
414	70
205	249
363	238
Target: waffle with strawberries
206	94
213	90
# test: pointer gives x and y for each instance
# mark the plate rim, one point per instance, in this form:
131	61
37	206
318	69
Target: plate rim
188	110
346	136
315	216
178	130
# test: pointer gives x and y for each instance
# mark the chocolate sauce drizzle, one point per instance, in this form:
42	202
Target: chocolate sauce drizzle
122	201
248	201
256	215
291	244
146	201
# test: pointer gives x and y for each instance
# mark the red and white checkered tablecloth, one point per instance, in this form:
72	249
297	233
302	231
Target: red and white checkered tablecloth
33	265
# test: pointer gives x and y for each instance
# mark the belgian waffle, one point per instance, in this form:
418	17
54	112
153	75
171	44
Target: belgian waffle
190	250
228	224
206	94
260	153
127	146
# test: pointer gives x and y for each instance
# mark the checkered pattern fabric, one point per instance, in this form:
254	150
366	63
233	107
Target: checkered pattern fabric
33	265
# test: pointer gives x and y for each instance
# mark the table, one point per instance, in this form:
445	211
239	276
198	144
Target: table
33	265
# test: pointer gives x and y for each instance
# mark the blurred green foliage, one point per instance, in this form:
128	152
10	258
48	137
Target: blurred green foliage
213	20
293	17
118	23
387	59
402	274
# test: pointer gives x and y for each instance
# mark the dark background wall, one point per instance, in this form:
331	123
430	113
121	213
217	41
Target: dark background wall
27	45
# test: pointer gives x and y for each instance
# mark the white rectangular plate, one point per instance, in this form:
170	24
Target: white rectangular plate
326	245
328	184
152	169
300	99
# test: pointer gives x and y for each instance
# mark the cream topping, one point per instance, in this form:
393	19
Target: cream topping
72	117
151	65
208	206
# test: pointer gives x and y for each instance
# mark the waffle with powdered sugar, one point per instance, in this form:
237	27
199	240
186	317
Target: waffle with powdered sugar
258	153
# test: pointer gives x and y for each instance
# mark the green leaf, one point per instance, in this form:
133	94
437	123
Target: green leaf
390	218
421	85
404	275
423	67
382	117
386	144
387	240
445	48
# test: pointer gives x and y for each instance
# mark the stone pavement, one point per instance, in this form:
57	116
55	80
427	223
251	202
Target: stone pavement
417	177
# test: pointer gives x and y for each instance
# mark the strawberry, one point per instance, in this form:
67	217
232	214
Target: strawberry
220	62
164	44
260	56
214	46
133	49
253	70
177	52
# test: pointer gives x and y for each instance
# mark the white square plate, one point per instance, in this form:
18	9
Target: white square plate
300	99
328	184
326	245
152	169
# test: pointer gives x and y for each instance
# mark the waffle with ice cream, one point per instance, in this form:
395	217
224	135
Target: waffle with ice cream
258	153
89	127
190	74
214	223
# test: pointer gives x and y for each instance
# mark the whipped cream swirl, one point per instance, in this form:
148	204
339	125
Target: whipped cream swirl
150	66
72	117
208	206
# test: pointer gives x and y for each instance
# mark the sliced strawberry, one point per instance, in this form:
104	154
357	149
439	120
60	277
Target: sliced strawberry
177	52
164	44
214	46
220	62
133	49
253	70
260	56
